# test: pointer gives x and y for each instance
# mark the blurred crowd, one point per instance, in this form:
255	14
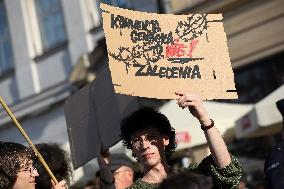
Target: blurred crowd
152	141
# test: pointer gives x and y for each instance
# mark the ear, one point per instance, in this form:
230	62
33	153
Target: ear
166	140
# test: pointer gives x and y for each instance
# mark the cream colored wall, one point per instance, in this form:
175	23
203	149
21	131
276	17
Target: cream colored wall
255	33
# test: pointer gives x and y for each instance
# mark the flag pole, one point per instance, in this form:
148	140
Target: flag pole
9	112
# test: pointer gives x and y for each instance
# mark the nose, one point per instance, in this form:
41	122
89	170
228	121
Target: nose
145	143
35	173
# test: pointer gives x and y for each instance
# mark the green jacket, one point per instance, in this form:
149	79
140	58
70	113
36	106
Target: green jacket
225	178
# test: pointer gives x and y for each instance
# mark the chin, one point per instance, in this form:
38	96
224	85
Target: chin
32	185
150	162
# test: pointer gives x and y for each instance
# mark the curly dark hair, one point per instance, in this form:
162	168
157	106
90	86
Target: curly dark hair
147	117
12	156
58	162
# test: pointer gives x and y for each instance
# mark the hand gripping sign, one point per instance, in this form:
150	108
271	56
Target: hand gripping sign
155	55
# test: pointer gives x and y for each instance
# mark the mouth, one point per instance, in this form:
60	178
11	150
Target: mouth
147	155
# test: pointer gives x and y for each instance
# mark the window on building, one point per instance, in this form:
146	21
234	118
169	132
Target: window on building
123	3
5	44
94	14
51	23
118	3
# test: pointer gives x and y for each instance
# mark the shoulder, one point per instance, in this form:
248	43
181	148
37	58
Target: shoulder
139	184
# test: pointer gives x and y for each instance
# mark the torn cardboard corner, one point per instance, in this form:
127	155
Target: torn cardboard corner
154	55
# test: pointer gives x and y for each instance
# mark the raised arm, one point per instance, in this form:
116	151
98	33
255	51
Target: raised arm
215	141
106	177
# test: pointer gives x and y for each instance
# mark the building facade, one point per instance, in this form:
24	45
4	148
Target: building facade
41	45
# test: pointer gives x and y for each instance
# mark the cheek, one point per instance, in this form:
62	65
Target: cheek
135	152
20	182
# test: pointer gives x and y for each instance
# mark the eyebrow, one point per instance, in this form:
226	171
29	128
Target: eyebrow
27	164
152	133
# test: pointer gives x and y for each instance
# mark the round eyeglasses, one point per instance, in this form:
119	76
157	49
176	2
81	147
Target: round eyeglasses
31	169
138	141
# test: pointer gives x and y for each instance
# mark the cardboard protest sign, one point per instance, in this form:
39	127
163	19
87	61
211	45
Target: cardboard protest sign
81	127
155	55
93	116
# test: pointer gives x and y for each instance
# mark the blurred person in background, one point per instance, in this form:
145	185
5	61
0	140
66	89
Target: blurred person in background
58	161
186	180
17	170
97	180
116	171
243	184
274	164
260	185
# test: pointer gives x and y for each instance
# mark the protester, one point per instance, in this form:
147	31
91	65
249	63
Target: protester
260	185
243	183
16	167
58	162
186	180
97	180
116	172
151	138
122	170
274	164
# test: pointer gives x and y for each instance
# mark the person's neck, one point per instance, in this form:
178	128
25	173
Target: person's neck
156	174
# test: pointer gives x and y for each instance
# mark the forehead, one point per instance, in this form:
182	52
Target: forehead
146	131
27	163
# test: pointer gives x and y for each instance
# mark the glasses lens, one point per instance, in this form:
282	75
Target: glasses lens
31	170
136	142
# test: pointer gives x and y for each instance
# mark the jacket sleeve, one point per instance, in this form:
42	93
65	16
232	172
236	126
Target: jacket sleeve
227	177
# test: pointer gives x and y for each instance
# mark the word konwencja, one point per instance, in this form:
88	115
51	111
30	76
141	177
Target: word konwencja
168	72
146	30
122	22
